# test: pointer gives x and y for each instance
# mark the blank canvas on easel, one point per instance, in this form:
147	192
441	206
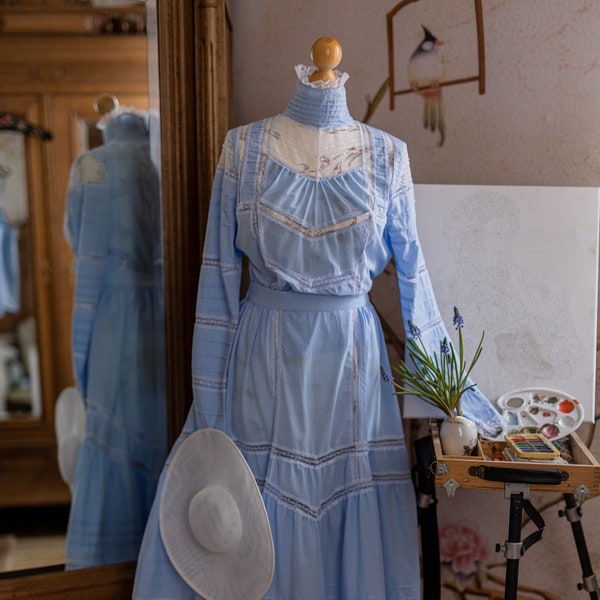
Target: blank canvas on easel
521	263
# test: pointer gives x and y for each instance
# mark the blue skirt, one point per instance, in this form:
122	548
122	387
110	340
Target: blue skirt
332	463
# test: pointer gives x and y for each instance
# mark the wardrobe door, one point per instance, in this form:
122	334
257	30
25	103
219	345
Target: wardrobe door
29	472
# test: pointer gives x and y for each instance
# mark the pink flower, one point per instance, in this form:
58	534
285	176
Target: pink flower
462	547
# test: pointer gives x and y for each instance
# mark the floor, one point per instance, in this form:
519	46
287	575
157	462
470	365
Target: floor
32	537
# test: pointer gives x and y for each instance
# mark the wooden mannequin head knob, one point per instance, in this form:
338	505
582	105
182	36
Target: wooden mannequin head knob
326	54
105	103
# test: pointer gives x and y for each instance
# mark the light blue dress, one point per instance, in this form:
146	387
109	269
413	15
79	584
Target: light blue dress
319	204
113	226
9	256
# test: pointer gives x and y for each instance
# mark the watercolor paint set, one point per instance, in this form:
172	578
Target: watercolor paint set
532	446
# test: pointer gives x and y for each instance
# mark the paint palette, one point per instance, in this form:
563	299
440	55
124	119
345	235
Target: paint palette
537	410
532	446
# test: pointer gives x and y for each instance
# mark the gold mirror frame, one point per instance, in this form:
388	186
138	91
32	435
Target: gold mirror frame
194	55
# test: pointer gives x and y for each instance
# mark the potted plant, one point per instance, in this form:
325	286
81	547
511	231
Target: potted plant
441	379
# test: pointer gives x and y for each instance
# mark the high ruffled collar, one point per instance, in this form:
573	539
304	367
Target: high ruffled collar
318	106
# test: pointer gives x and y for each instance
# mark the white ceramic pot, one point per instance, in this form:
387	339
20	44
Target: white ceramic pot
458	436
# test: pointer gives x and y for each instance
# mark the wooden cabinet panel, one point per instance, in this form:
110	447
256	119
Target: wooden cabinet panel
114	582
30	477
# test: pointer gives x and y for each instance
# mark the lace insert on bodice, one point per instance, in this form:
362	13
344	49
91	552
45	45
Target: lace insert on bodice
86	170
316	153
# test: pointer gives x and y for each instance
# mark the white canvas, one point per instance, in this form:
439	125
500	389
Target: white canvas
520	263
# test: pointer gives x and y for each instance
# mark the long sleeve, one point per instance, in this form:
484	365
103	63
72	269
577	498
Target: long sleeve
416	293
87	227
217	307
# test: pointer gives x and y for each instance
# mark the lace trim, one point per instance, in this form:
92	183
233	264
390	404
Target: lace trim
314	153
86	170
304	72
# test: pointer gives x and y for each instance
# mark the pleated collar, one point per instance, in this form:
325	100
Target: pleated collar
323	107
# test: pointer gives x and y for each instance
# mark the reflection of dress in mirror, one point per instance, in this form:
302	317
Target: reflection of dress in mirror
296	374
9	286
9	254
113	226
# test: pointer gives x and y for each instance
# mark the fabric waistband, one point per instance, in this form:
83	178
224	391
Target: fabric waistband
262	296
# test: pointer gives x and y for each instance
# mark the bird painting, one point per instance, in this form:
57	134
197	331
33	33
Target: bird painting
425	75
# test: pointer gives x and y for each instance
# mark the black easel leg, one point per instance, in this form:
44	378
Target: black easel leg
424	481
573	514
513	546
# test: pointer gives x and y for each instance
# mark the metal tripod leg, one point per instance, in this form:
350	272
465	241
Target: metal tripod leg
513	548
573	513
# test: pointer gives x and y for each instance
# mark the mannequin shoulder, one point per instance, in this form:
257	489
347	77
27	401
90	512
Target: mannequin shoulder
242	132
238	138
384	141
88	168
386	135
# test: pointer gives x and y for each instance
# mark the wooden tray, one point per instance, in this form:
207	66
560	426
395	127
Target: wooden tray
582	475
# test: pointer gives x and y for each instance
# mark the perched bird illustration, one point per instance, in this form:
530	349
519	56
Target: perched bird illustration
425	74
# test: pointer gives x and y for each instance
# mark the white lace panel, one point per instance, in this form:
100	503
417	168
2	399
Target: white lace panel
86	170
317	153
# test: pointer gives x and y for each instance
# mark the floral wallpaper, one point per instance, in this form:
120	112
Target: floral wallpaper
537	124
463	552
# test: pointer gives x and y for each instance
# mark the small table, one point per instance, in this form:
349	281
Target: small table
576	480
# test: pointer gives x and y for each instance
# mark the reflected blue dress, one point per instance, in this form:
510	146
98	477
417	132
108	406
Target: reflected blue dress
113	225
319	203
9	256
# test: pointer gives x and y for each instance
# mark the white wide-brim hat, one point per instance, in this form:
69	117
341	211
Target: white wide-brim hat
69	426
213	521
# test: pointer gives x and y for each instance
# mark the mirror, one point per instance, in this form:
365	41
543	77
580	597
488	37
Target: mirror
62	58
195	43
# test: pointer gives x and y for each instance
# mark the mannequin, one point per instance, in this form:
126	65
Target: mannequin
105	104
326	54
318	203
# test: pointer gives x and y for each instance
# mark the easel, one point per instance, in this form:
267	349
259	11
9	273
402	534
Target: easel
573	514
518	479
516	488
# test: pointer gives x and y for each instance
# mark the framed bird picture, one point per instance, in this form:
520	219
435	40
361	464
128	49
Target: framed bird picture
433	44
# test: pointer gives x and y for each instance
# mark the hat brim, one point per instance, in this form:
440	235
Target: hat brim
208	456
69	426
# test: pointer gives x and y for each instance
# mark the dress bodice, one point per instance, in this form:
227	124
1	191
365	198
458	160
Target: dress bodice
314	195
